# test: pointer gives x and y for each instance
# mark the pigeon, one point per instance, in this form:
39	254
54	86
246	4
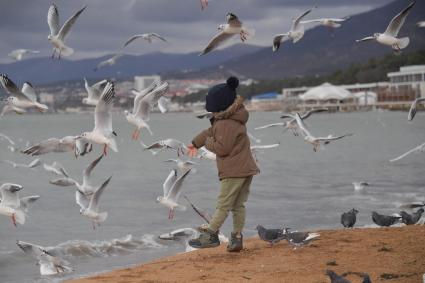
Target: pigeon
58	34
389	37
146	36
335	278
411	219
271	236
94	92
18	54
384	220
298	239
348	219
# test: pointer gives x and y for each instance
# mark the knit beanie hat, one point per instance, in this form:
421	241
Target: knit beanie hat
221	96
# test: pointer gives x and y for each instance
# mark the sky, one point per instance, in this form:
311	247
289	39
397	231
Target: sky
106	24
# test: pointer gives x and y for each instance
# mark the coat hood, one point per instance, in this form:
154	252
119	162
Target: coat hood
236	112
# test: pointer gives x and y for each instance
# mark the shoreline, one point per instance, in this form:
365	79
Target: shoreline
390	255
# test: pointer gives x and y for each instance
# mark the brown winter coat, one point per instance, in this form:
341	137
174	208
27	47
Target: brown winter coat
228	139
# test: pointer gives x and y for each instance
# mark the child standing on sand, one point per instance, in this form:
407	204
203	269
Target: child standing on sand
227	138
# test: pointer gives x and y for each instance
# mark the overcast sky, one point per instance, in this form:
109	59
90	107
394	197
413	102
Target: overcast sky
106	24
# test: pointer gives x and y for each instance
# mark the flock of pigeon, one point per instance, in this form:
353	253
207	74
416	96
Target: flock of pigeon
101	95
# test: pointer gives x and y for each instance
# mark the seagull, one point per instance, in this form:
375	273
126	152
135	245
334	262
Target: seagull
421	24
56	168
10	203
146	36
18	54
204	114
31	165
233	27
89	206
327	22
5	137
143	103
23	99
292	123
360	186
103	132
315	141
258	147
335	278
183	165
204	4
384	220
410	219
172	190
58	34
172	144
204	153
271	236
10	108
296	32
419	148
108	62
412	111
298	239
163	103
389	37
94	92
49	265
348	219
65	144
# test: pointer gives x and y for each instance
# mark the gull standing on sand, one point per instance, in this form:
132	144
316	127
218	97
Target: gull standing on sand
389	37
419	148
94	92
327	22
172	144
31	165
142	105
65	144
103	133
172	189
412	110
296	32
49	265
108	62
233	27
58	34
18	54
23	99
146	36
89	206
10	203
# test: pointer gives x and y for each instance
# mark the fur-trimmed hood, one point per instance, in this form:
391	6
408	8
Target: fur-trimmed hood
236	112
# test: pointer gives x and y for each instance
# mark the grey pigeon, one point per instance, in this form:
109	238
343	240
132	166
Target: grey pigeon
348	219
298	239
272	236
410	219
335	278
384	220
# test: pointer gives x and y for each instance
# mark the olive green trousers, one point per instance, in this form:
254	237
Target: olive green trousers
233	195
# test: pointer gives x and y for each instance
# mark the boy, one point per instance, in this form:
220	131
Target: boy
227	138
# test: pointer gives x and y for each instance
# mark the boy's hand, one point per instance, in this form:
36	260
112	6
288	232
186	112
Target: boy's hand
192	151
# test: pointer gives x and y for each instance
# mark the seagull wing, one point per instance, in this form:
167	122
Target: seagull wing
102	112
266	146
94	200
171	179
143	93
82	200
34	163
412	111
163	104
28	91
365	39
64	31
331	138
32	250
175	190
134	37
27	201
302	126
312	21
3	136
269	126
297	20
278	40
216	41
308	113
9	195
89	169
148	101
53	19
398	21
11	88
418	148
158	36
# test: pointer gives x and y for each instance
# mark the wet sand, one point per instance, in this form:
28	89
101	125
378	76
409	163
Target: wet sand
386	254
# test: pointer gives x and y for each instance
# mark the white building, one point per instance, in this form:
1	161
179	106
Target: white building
409	78
327	92
142	82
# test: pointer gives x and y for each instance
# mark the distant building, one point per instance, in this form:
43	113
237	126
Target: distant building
266	101
409	79
142	82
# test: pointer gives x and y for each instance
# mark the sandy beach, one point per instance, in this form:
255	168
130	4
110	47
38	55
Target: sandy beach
386	254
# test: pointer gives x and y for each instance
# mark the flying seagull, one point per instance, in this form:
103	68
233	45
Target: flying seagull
103	132
58	34
18	54
183	165
65	144
389	37
146	36
94	92
10	203
21	99
172	144
412	111
348	219
36	162
172	189
296	32
421	24
327	22
233	27
419	148
56	168
108	62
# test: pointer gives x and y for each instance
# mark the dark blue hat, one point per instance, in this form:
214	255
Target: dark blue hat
221	96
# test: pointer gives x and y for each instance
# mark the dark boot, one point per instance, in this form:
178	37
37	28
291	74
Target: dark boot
207	239
235	244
